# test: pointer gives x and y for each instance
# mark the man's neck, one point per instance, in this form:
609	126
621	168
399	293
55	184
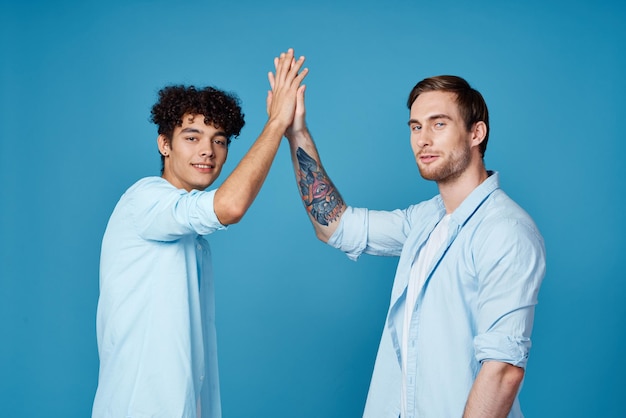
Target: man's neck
454	192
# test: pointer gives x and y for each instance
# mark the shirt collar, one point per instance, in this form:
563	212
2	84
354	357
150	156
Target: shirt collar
476	198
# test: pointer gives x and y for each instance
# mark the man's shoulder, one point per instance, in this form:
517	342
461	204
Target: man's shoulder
147	187
148	183
501	205
503	215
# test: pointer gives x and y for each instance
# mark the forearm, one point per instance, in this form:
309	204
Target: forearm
237	193
239	190
322	201
494	390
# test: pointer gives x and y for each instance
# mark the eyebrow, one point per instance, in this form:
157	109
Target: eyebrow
199	131
191	131
431	117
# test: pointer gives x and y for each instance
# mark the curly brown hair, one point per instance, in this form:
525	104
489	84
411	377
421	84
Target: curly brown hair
219	108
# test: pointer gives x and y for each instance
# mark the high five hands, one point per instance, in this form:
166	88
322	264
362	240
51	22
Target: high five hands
285	100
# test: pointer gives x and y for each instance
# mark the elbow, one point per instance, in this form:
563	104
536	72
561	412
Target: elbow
231	220
230	215
513	377
324	232
508	376
322	236
228	208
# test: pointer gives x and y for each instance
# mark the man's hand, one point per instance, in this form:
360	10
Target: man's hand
286	98
239	190
298	126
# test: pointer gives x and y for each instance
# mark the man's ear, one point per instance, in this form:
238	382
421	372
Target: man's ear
479	132
164	145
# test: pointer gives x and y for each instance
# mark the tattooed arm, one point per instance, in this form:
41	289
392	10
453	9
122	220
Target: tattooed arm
321	199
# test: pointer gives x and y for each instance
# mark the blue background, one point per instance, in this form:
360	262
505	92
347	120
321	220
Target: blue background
298	323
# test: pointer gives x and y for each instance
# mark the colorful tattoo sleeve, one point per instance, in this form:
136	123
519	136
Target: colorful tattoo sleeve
320	197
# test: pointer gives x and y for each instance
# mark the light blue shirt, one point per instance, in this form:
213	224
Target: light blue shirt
155	320
477	303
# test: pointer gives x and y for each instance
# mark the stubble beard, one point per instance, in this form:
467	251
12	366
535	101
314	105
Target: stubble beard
451	170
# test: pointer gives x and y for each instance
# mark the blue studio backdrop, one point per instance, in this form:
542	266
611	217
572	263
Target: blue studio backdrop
299	323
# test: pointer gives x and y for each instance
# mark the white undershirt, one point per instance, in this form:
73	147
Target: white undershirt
417	277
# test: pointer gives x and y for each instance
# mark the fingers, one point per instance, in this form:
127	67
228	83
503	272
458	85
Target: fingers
301	75
295	66
283	65
300	108
268	101
287	93
300	96
287	69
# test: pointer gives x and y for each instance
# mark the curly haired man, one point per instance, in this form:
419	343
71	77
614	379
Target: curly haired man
155	320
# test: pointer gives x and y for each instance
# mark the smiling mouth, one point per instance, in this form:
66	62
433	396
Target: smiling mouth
203	166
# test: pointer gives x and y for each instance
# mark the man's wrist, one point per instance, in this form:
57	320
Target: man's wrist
294	135
276	126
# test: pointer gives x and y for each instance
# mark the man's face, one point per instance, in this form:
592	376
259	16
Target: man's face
195	155
440	142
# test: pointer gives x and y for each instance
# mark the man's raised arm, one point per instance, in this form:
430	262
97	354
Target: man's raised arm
239	190
321	199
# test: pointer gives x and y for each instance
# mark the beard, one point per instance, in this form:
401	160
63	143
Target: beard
450	169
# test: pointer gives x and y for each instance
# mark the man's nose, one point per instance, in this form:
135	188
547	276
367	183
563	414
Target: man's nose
424	139
206	149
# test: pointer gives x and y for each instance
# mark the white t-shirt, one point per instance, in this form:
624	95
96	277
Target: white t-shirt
419	270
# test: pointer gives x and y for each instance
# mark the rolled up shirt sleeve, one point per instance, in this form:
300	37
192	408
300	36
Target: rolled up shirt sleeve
164	213
373	232
351	234
501	347
509	275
